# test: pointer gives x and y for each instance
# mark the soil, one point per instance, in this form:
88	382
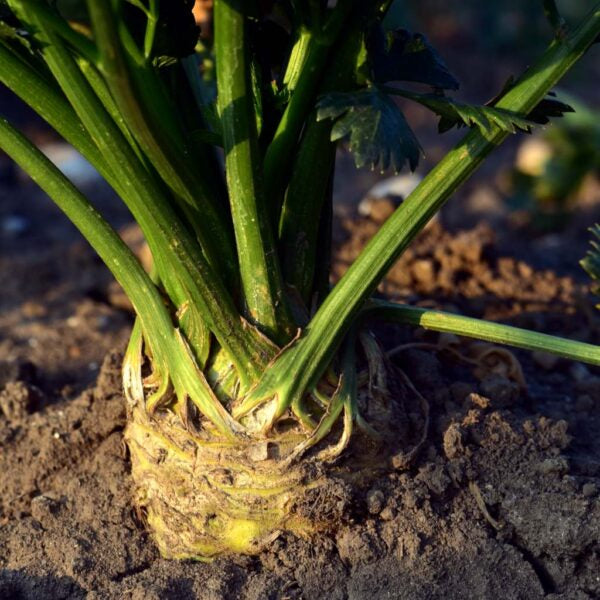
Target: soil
502	501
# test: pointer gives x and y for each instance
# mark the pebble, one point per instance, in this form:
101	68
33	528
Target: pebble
410	499
423	270
377	209
453	441
589	489
375	501
554	465
44	508
33	310
400	186
388	513
502	392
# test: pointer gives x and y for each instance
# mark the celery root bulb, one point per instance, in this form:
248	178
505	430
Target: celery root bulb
203	496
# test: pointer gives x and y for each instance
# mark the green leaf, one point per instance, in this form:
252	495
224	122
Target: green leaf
404	56
377	130
457	114
591	262
549	107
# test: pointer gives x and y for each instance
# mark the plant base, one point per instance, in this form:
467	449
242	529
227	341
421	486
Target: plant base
203	496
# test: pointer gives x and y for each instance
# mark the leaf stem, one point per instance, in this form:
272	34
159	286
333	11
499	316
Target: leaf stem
157	130
48	101
169	355
259	266
307	190
496	333
316	49
300	366
182	267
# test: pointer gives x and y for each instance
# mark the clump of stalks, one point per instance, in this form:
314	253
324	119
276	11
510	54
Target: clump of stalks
247	403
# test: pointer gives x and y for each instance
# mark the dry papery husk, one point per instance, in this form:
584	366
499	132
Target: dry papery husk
204	496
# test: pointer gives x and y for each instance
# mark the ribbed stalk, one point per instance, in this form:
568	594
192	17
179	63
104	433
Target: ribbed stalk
141	100
496	333
170	357
259	267
182	268
48	101
307	190
300	366
302	208
315	51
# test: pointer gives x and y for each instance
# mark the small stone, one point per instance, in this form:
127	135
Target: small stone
33	310
44	508
559	465
74	352
258	452
589	489
375	501
474	399
423	271
410	499
388	513
117	298
377	209
453	441
584	403
545	360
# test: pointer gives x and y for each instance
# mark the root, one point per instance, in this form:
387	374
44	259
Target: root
486	359
474	489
